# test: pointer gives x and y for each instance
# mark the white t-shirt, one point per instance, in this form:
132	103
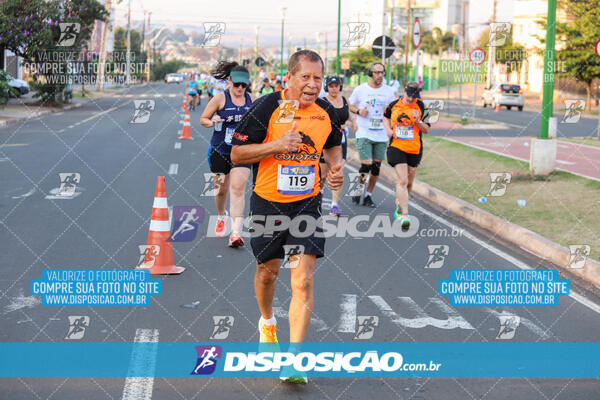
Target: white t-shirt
375	99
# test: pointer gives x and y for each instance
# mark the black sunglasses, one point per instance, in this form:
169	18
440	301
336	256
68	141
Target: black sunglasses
242	84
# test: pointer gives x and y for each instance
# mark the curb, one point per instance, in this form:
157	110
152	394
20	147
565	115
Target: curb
512	233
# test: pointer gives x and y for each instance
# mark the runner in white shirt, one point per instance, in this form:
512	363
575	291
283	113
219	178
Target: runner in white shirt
369	101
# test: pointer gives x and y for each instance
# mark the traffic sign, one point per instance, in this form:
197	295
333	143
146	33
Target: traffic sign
598	48
345	63
417	33
259	61
477	56
377	46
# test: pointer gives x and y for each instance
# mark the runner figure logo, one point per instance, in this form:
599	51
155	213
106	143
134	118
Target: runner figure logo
222	326
147	256
68	183
186	222
366	327
499	32
212	184
432	110
508	326
573	110
437	255
357	33
287	111
212	33
499	183
142	111
579	253
291	255
77	325
207	359
356	184
68	33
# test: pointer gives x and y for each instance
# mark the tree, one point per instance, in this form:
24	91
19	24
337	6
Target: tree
31	29
360	59
510	53
575	43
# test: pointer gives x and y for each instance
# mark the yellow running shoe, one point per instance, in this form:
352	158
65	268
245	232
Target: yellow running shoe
268	337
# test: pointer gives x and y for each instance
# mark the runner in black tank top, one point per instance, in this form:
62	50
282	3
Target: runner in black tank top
333	87
224	112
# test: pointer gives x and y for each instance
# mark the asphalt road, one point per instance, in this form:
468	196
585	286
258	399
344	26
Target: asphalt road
108	218
525	123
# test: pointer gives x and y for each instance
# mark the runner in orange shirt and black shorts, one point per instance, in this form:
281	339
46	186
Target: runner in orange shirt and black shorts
283	136
403	120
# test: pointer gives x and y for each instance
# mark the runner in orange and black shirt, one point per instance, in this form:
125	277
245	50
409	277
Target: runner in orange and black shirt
403	120
283	136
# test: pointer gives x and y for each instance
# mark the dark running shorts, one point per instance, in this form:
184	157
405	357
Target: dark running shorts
268	244
221	163
397	156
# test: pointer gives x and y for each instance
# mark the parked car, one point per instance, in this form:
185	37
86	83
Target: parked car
503	94
18	84
177	78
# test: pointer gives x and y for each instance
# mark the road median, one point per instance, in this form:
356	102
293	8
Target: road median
534	214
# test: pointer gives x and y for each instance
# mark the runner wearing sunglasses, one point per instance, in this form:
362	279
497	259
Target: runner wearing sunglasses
224	112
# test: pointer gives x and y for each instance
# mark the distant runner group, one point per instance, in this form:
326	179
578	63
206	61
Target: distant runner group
295	141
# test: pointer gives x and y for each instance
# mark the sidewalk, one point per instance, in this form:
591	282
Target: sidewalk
20	109
579	159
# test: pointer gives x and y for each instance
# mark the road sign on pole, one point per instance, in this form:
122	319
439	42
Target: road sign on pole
259	61
379	48
416	33
477	56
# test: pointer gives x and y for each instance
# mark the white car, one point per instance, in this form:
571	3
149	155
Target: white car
170	78
503	94
18	84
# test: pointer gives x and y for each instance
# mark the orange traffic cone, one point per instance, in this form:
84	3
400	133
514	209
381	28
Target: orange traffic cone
186	131
160	231
497	108
184	105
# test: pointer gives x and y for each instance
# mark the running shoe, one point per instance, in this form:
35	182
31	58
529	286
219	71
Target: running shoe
235	240
268	337
290	375
221	222
403	218
368	202
335	210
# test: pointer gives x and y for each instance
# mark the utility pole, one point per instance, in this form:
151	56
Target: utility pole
337	62
548	85
407	40
492	49
102	58
326	50
256	56
147	47
282	22
463	6
128	58
389	70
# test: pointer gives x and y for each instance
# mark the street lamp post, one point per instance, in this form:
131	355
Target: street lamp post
337	62
283	9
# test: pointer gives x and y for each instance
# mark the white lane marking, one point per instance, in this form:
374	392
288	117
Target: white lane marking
574	295
279	312
32	191
421	319
71	126
141	363
566	162
524	321
347	314
177	145
22	301
173	169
